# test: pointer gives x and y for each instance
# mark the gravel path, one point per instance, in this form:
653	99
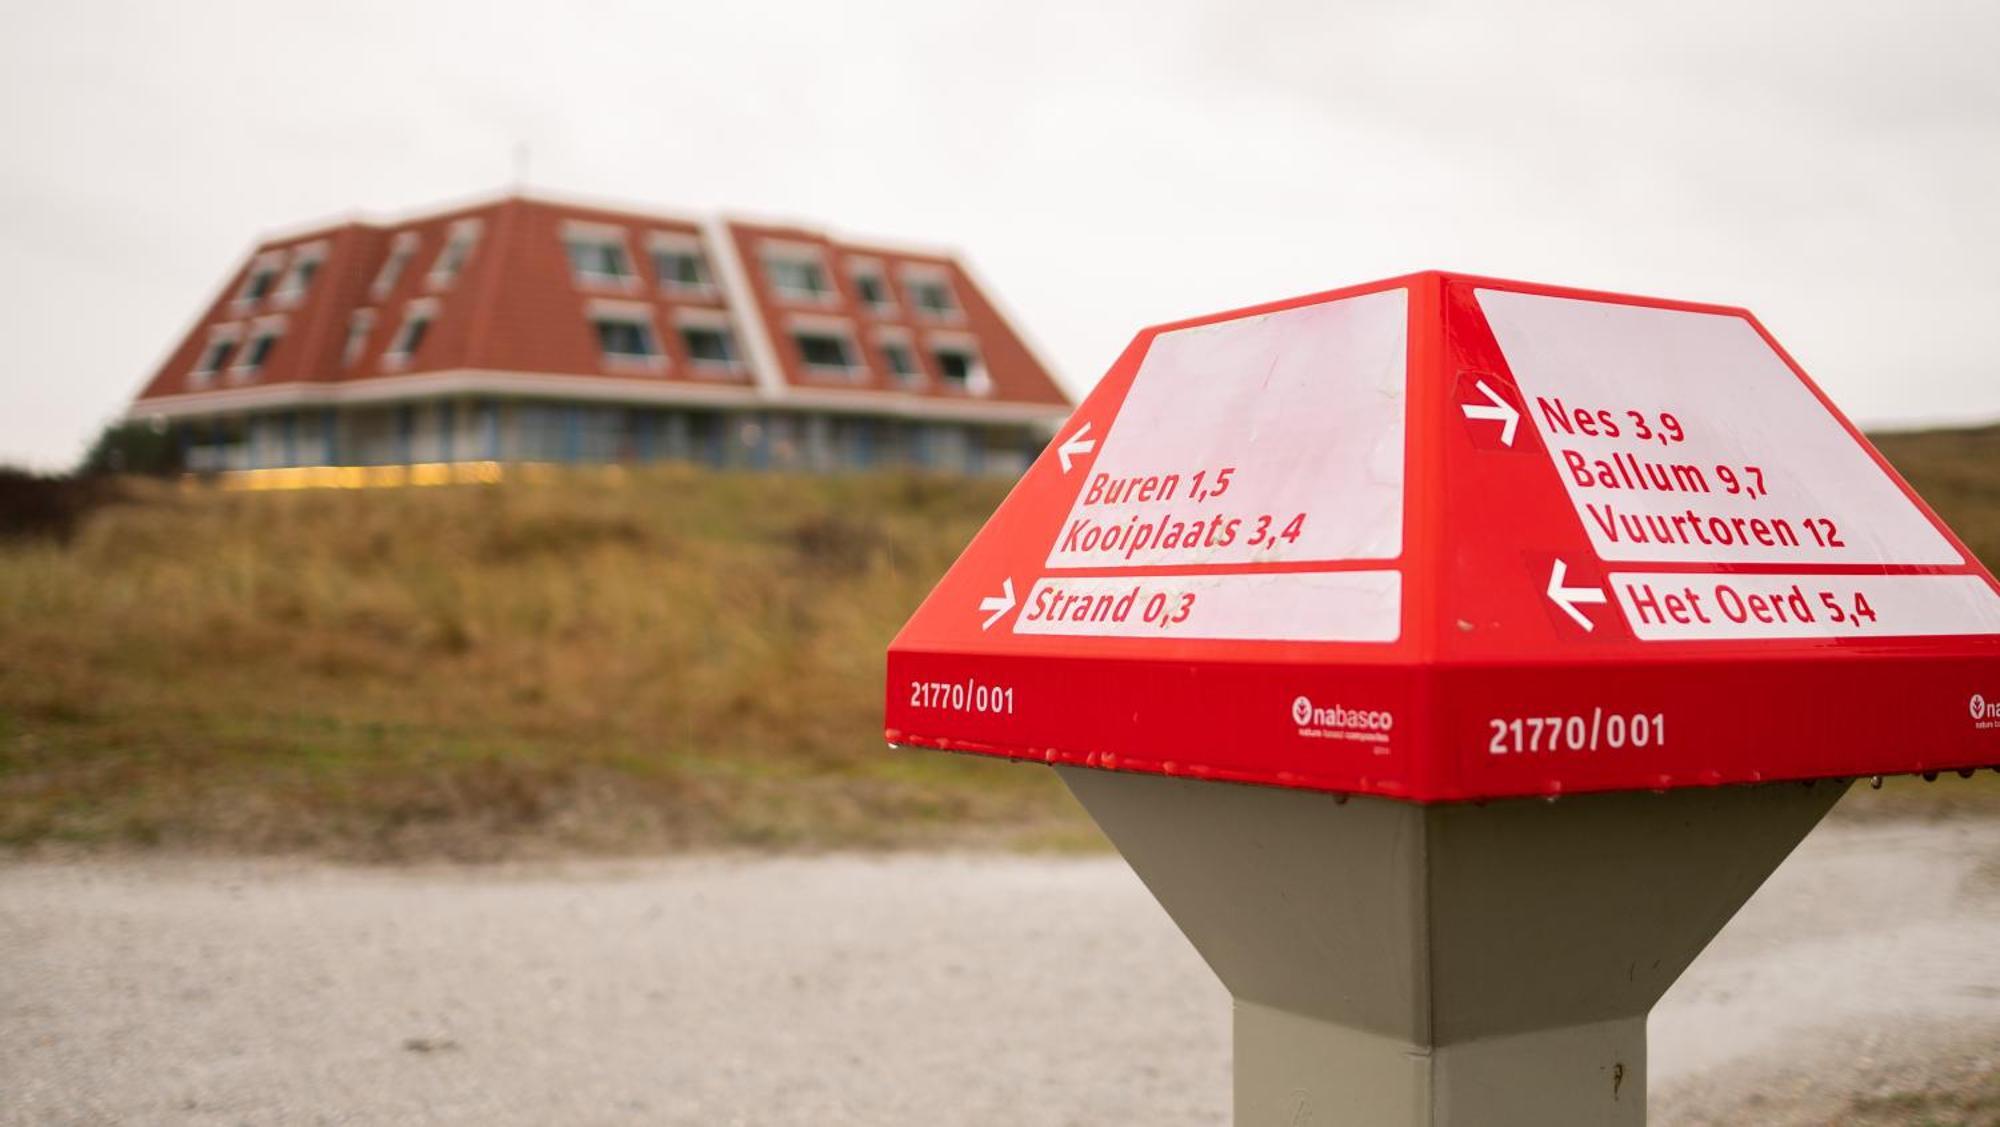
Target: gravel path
845	990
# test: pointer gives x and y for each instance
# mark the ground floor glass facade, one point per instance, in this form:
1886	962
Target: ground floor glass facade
521	430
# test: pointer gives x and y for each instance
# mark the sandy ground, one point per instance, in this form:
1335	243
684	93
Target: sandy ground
844	990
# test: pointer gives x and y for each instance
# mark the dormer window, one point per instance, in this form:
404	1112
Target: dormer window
827	352
401	249
930	292
299	277
959	367
797	273
872	286
710	345
258	285
826	349
216	354
360	327
597	256
260	351
264	336
710	342
457	249
679	263
410	336
302	276
261	280
900	359
625	336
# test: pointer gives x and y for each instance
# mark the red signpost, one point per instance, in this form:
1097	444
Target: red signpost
1443	538
1432	544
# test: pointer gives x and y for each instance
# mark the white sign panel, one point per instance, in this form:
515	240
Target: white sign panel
1677	606
1266	439
1684	437
1323	606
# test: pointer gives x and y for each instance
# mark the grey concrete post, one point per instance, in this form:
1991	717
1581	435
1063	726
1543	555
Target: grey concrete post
1398	965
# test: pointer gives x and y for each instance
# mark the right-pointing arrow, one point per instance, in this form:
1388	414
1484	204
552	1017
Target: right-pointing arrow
1000	604
1496	409
1568	597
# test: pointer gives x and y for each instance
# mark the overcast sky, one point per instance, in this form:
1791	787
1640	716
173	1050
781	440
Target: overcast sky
1833	166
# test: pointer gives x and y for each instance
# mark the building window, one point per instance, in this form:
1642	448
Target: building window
797	274
625	337
710	346
298	279
258	284
960	369
930	292
457	249
825	351
255	355
409	339
901	361
359	327
872	286
679	264
216	353
302	277
597	256
401	248
262	279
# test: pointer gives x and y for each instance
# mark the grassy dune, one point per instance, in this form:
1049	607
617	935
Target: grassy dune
587	661
1958	472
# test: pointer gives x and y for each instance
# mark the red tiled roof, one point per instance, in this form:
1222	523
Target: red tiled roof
516	307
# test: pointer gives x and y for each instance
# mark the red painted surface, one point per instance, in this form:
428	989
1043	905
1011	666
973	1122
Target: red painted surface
1480	644
516	307
1017	376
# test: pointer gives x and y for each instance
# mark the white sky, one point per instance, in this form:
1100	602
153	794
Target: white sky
1831	165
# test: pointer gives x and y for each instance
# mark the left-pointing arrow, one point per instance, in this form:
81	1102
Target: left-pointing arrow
999	604
1567	597
1076	447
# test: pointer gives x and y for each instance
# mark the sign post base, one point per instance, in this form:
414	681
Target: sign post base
1404	965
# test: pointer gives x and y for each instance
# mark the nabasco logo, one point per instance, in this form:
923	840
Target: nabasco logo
1338	722
1985	712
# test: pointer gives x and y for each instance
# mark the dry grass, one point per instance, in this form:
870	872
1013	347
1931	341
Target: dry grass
595	661
1972	1100
1958	472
